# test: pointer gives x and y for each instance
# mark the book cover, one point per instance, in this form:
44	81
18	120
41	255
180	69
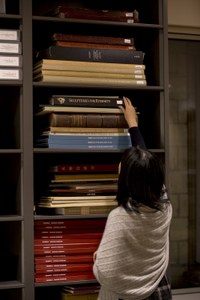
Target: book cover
94	81
67	65
91	54
109	40
83	100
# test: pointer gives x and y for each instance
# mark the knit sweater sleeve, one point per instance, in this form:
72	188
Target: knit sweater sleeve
136	137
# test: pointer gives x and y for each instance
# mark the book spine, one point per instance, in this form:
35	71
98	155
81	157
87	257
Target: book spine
87	120
40	269
66	241
92	54
10	74
87	210
109	40
9	34
93	101
10	47
83	147
59	250
10	61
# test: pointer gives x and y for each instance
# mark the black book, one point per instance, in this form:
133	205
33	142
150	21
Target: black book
91	54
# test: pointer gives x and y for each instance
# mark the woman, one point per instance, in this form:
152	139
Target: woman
133	255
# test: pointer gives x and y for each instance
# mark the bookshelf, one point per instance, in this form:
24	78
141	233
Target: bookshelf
24	168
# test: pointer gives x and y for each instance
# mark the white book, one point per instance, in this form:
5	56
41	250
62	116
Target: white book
10	74
10	61
9	34
12	47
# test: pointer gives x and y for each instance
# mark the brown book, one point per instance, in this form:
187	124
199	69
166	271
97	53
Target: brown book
95	120
108	40
95	14
92	45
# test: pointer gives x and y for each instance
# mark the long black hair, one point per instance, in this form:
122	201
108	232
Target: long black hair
141	180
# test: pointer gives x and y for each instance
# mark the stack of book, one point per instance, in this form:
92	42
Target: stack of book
81	189
10	54
64	249
90	60
80	292
83	122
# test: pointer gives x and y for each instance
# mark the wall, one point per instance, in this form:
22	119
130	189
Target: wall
184	16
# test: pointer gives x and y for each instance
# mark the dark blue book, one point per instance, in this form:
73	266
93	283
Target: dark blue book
83	147
91	54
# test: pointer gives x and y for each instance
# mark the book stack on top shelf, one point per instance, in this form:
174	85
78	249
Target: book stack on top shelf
10	54
97	124
64	249
94	60
80	189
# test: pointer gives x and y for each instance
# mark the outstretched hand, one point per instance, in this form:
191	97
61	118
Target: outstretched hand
129	113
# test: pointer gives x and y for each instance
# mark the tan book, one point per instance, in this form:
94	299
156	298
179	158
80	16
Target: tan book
70	177
96	81
62	73
86	210
76	204
89	66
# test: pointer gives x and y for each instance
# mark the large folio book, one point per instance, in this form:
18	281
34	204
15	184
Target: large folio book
60	259
85	130
10	73
86	210
10	47
10	61
84	168
95	39
92	45
73	65
91	54
95	120
94	14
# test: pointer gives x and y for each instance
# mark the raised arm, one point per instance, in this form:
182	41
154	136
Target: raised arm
132	121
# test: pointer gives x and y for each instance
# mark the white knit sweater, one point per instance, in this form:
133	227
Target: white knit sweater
133	254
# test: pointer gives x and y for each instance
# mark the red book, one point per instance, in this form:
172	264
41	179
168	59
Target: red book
60	259
70	224
63	235
64	250
67	241
59	277
85	168
109	40
58	268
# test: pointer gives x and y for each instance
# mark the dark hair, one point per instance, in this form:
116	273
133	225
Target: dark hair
141	180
